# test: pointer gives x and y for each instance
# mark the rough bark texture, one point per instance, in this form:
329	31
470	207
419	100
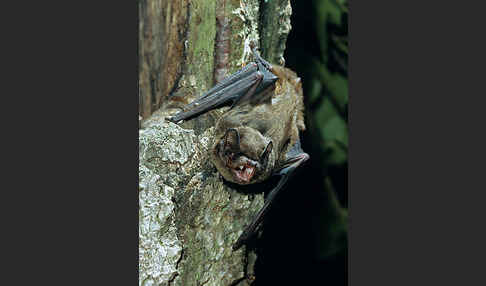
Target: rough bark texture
189	217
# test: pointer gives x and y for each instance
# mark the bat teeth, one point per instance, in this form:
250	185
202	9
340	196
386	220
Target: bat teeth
244	173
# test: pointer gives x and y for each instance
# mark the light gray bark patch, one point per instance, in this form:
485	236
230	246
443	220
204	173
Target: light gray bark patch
167	143
159	248
188	218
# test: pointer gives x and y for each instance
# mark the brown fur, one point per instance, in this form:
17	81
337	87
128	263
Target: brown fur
277	117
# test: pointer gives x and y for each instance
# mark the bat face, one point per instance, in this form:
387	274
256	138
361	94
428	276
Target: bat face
243	155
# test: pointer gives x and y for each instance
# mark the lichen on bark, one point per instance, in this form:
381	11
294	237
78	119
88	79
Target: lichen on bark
274	28
189	217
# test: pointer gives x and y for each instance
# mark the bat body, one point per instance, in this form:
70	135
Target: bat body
258	136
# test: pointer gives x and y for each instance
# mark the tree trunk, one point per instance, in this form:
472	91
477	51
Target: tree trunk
188	217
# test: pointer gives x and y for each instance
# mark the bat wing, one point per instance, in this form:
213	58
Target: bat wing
237	88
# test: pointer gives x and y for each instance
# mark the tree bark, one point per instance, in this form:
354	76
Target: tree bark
189	217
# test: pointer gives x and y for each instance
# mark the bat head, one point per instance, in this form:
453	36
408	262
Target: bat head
243	155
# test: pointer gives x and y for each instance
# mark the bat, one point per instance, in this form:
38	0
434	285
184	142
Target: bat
258	137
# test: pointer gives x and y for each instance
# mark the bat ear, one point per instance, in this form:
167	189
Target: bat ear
266	153
232	139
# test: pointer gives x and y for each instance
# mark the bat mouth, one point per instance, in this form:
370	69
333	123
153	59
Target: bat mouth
241	168
244	173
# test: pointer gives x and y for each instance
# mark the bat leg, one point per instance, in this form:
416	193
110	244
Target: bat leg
251	91
228	90
229	80
254	79
289	167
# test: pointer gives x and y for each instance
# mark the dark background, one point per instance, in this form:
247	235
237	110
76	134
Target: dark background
305	233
